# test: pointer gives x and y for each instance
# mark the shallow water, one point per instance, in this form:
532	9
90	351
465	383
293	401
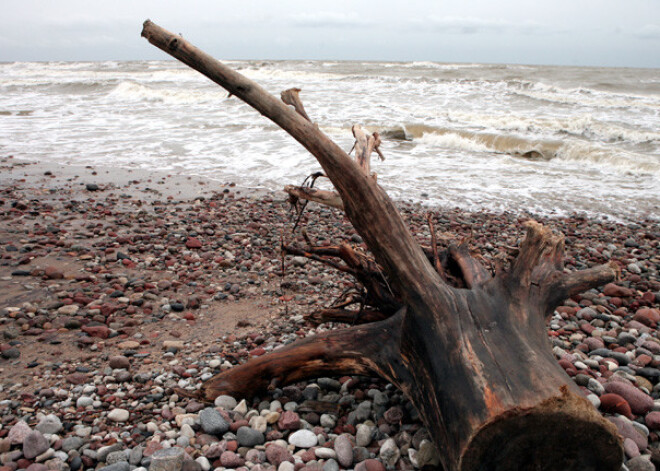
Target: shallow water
553	140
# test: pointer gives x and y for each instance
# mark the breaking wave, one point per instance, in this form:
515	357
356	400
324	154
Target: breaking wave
566	150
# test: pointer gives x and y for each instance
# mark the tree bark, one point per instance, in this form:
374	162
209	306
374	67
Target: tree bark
475	360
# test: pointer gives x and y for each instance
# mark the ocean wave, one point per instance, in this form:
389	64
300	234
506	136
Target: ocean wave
608	159
583	125
580	96
605	158
133	91
175	75
495	143
264	74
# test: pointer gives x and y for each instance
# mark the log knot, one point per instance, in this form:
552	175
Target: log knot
173	44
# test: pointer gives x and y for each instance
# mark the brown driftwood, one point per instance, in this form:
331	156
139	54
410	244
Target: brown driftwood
475	361
324	197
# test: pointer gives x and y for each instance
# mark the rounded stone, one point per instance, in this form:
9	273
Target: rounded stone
34	444
225	402
615	404
630	448
119	466
286	466
640	403
119	362
389	452
229	459
49	424
72	443
167	459
84	401
303	439
213	422
289	420
18	432
116	457
344	450
276	454
640	463
652	420
325	453
331	465
118	415
370	465
249	437
364	435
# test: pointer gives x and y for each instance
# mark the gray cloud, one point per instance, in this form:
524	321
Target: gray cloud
475	25
329	19
648	32
572	32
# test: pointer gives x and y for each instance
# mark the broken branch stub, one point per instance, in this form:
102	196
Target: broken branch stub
292	97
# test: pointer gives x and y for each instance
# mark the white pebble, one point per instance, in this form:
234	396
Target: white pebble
118	415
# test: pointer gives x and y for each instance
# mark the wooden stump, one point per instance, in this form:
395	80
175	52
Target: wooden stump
469	349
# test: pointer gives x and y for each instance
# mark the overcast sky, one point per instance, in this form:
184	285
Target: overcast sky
566	32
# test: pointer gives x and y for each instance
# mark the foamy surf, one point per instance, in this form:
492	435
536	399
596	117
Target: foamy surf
554	140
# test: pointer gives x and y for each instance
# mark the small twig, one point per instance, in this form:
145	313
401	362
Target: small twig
306	237
282	254
313	176
377	143
382	275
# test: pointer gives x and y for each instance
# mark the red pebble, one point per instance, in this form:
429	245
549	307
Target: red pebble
193	243
258	352
615	404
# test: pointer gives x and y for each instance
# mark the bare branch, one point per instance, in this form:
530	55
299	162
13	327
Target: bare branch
324	197
362	350
346	316
577	282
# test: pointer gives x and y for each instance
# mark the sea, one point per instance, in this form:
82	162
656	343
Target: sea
543	139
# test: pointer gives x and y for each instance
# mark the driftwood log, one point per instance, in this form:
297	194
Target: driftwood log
468	348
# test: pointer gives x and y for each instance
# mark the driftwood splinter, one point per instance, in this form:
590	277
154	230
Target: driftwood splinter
473	356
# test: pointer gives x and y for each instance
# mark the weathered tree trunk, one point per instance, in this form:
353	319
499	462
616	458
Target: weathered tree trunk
475	359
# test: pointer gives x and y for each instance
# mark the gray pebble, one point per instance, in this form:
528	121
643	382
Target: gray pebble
167	459
119	466
329	383
213	422
49	425
331	465
116	457
249	437
135	455
72	443
103	452
640	463
225	402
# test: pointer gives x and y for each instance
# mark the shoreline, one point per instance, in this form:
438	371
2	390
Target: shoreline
148	185
153	185
112	297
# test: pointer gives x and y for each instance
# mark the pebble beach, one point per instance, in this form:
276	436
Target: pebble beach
118	287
